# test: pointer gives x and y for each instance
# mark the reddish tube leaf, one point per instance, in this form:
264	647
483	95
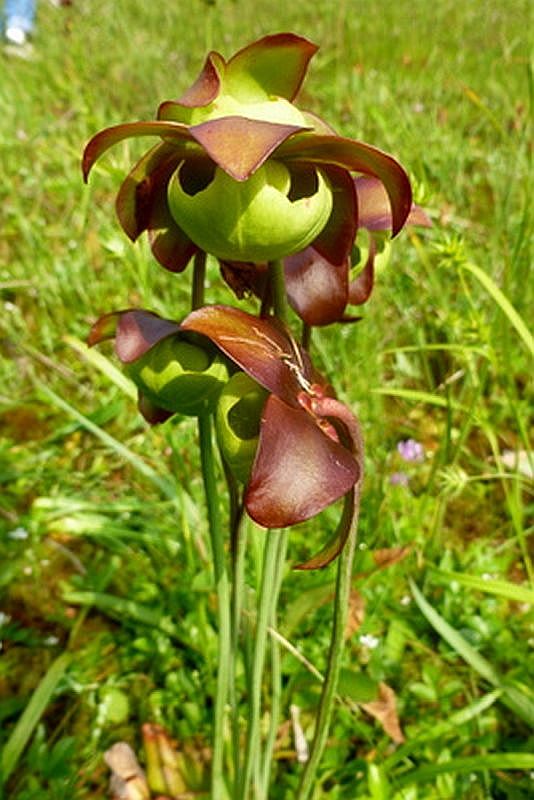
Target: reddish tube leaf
336	239
276	63
359	157
240	145
298	470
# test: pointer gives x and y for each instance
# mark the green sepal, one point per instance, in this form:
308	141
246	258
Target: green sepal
238	423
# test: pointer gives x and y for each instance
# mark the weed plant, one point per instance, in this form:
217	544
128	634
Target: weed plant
104	557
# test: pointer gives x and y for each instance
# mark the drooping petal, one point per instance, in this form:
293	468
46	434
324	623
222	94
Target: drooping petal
135	196
316	289
359	157
336	239
375	210
298	470
336	543
275	65
331	409
138	331
261	349
240	145
171	131
153	414
361	287
105	327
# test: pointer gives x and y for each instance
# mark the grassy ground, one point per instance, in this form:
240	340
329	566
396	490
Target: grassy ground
104	554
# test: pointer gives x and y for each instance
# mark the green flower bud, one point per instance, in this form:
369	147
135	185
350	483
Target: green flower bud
238	423
272	214
180	376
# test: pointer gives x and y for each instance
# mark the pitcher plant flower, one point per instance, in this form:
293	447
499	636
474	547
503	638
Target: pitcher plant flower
309	451
243	174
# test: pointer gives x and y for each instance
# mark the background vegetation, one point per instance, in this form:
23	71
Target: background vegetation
104	553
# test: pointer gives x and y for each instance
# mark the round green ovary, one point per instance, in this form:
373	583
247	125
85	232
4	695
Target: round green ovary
179	376
252	220
238	422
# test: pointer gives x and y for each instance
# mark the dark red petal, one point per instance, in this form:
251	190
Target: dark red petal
173	131
104	328
336	239
136	194
153	414
298	470
204	90
256	345
240	145
349	428
375	210
138	331
316	289
278	64
361	287
358	157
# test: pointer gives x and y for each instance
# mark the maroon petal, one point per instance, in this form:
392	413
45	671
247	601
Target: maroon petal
359	157
335	545
105	327
276	63
203	92
316	289
258	346
375	210
298	470
135	197
240	145
138	331
336	239
173	131
361	287
153	414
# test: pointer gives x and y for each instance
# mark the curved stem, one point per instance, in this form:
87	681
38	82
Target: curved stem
277	282
222	586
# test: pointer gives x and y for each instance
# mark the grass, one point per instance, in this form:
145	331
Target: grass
105	551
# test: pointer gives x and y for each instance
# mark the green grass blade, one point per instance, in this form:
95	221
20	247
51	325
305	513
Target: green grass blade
31	715
511	591
98	360
417	396
516	700
504	304
468	764
164	485
122	609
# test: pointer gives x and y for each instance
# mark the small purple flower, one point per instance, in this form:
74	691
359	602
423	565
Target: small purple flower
410	450
398	479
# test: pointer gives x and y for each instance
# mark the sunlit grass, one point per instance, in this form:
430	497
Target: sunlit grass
88	509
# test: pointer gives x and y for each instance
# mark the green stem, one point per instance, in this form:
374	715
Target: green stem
238	591
341	606
276	670
271	553
277	283
223	601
